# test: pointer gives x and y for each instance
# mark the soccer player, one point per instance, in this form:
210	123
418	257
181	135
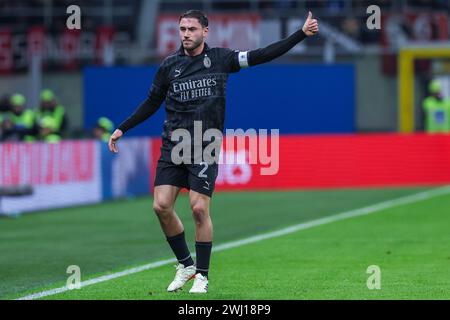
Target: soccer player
192	82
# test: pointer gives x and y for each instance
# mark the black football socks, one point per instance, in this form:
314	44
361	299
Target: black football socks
180	249
203	253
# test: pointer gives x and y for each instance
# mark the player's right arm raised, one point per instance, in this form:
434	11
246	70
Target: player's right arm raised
147	108
274	50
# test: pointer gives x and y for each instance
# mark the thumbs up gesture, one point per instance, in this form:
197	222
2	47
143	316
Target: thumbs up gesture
311	26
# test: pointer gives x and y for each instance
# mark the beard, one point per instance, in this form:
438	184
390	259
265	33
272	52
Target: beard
193	45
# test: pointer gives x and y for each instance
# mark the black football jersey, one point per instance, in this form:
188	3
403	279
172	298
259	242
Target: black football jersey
195	89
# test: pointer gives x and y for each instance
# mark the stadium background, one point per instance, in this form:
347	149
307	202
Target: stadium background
350	118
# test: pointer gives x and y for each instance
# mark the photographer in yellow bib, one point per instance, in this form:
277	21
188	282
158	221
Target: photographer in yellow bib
437	109
19	123
103	129
50	108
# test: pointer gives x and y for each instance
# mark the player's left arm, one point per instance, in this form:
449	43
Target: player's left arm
274	50
145	110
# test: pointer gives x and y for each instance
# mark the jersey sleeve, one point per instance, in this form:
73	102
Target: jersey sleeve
274	50
149	106
160	82
233	60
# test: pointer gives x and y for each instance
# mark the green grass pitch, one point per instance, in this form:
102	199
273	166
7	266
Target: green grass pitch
410	244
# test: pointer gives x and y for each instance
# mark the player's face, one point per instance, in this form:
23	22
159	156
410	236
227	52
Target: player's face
192	34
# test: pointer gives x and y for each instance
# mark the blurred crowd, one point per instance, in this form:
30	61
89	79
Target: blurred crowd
18	15
327	5
48	122
333	5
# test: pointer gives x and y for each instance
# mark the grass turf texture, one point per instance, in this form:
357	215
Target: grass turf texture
409	243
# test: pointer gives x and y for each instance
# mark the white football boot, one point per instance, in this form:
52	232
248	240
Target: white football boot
182	276
200	284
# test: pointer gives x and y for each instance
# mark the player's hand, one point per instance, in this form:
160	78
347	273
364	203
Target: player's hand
112	141
311	26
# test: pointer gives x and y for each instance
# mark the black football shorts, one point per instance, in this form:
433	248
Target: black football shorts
200	177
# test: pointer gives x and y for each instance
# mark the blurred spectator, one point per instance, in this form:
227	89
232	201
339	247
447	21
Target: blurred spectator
384	4
230	5
50	108
104	129
335	6
277	4
429	4
351	26
19	124
437	109
48	131
4	104
315	4
4	108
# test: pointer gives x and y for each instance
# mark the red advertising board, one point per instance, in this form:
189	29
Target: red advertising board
36	40
46	164
342	161
60	175
70	46
103	43
6	54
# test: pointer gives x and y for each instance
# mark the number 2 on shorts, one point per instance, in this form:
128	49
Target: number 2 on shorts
202	174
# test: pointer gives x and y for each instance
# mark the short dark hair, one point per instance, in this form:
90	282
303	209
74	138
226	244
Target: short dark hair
199	15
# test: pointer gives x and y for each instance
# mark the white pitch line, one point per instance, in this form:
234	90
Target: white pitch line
233	244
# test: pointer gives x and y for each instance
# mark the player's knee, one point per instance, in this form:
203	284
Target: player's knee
200	212
162	208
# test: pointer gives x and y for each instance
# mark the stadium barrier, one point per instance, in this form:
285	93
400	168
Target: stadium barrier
83	172
61	174
343	161
72	173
